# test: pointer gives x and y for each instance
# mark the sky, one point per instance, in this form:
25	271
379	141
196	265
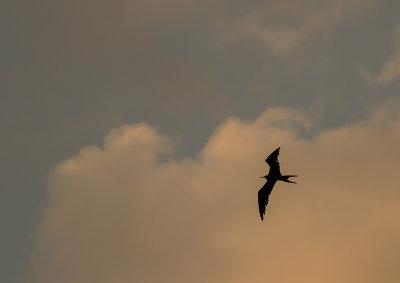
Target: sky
135	132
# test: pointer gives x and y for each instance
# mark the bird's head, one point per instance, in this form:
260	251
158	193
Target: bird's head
266	177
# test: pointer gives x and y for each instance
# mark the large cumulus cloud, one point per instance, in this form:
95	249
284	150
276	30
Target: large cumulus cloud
130	212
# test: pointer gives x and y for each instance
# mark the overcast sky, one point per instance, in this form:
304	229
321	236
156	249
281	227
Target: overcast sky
134	133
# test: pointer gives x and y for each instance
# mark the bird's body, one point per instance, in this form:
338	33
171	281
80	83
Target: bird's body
273	176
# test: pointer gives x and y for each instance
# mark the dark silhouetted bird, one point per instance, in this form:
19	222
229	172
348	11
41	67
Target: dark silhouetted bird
274	175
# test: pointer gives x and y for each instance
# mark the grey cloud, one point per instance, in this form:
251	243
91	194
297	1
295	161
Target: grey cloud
284	26
390	70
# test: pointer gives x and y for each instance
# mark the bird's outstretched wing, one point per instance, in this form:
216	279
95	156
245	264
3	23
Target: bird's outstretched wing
272	161
263	196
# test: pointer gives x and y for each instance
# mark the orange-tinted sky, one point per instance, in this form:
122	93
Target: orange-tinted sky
135	133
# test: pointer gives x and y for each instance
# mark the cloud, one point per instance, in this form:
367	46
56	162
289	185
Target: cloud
121	213
389	72
391	68
284	26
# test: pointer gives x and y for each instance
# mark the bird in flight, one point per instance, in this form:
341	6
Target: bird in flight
274	175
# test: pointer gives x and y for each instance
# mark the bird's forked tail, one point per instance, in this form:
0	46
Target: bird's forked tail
285	178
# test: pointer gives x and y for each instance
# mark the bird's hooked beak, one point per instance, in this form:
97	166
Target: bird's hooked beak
264	177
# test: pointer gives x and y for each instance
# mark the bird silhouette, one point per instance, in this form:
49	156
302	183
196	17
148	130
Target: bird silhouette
274	175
